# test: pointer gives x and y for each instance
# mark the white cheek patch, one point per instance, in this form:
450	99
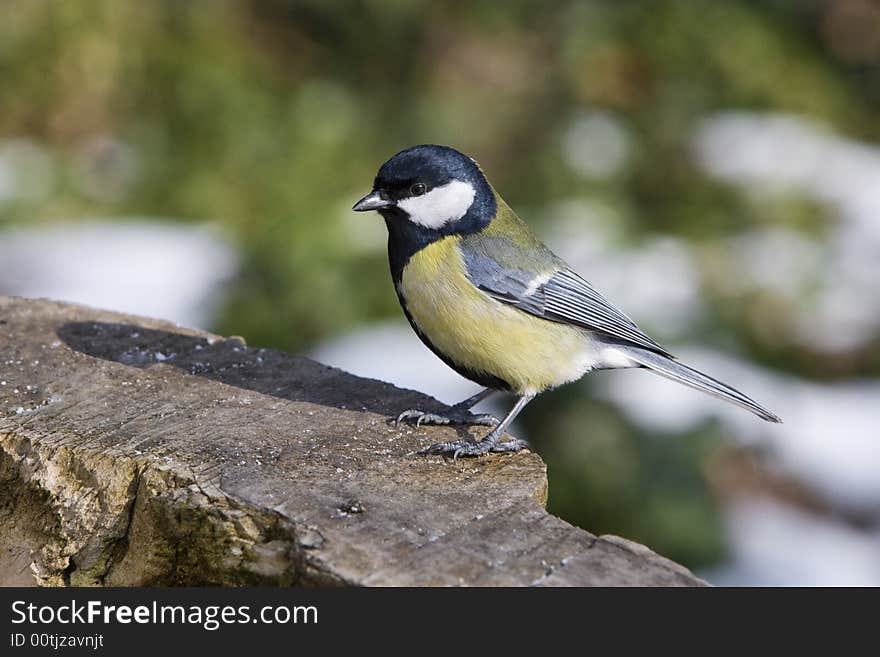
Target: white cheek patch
449	202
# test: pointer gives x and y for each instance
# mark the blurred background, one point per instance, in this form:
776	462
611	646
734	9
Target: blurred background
712	167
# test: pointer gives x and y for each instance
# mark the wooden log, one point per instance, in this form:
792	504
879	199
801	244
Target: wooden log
136	452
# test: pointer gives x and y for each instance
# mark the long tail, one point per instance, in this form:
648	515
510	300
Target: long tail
690	377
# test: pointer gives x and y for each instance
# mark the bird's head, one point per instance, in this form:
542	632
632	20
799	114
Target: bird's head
435	188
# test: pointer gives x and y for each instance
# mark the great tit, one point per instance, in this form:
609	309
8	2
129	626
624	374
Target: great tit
494	303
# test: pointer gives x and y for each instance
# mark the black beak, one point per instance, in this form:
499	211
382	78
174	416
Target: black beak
372	201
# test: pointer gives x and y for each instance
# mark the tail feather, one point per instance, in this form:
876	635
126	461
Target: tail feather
676	371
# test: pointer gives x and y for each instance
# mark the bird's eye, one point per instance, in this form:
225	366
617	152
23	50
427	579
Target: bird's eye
418	189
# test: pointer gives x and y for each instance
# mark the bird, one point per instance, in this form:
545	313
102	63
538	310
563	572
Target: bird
496	304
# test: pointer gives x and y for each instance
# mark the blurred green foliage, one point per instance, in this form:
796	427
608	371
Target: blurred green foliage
271	117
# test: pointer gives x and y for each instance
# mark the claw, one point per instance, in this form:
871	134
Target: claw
511	445
466	447
408	415
486	419
459	414
453	417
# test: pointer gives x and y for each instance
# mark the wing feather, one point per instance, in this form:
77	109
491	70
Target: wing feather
570	298
545	287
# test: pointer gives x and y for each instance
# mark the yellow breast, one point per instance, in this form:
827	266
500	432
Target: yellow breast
482	334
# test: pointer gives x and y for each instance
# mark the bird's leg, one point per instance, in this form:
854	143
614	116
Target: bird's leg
467	447
458	414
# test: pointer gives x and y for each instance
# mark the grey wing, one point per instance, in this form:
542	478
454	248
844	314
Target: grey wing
570	298
547	288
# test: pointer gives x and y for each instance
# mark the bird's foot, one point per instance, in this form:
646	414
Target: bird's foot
466	447
453	416
513	445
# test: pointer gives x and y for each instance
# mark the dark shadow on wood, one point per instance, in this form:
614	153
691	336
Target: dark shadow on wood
231	362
